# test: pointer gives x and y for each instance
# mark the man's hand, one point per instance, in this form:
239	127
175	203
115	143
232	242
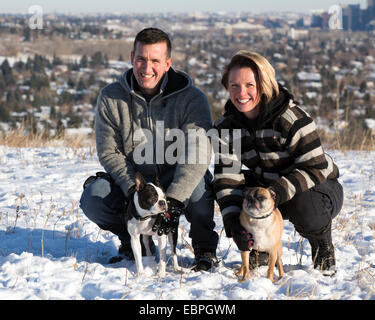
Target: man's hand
161	224
175	209
168	221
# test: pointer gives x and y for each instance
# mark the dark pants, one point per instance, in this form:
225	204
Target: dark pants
312	211
103	203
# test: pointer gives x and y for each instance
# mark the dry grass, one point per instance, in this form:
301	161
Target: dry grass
18	138
353	138
348	139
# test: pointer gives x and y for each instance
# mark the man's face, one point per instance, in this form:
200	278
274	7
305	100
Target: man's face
150	63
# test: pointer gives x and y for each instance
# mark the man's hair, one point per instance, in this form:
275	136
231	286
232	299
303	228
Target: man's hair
263	71
152	36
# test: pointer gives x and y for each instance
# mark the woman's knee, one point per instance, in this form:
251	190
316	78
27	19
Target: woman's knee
311	212
336	193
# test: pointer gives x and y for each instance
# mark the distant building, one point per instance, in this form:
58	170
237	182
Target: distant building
369	13
316	21
353	17
320	20
371	8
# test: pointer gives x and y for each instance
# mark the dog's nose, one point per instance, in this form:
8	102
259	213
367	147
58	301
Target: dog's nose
162	203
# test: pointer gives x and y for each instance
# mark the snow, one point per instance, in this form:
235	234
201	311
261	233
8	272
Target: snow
50	250
370	123
309	76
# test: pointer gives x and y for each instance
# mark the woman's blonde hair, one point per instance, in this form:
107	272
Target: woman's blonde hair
264	73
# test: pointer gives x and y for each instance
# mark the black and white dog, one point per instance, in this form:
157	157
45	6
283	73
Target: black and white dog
148	202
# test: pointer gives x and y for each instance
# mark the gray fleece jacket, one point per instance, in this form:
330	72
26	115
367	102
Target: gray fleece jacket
128	129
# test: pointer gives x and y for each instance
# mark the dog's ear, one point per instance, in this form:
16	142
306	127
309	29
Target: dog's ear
273	194
140	182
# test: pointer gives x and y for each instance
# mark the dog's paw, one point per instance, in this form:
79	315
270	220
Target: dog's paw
245	277
244	273
270	278
140	274
240	272
162	274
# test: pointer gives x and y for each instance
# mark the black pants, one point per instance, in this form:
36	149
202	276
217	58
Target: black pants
312	211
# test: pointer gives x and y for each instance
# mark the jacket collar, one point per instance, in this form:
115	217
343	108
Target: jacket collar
135	87
172	82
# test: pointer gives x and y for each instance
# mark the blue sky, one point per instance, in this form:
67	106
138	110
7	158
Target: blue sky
147	6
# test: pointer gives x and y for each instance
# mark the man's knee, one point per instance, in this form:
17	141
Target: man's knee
200	208
91	201
98	188
90	206
204	190
103	203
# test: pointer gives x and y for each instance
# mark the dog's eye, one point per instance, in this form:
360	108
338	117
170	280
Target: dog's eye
152	200
248	197
260	198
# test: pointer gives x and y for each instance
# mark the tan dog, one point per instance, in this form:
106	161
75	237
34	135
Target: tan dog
265	223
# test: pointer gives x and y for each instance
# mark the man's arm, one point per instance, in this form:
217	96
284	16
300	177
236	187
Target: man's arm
109	145
197	121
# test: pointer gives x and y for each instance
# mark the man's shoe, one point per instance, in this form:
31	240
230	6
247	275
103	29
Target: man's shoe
205	259
125	251
323	254
258	259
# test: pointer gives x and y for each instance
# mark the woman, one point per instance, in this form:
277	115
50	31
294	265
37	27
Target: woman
281	149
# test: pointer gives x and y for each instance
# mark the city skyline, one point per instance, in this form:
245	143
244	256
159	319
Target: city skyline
149	6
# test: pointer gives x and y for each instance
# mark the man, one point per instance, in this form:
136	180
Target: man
129	115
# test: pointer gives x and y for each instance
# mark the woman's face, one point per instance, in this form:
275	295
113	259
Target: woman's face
243	91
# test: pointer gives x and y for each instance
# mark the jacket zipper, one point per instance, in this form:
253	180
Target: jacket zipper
151	126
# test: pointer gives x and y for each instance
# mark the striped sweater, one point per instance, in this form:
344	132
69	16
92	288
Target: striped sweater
280	149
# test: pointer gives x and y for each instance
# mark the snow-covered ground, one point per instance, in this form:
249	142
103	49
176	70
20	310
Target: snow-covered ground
50	250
